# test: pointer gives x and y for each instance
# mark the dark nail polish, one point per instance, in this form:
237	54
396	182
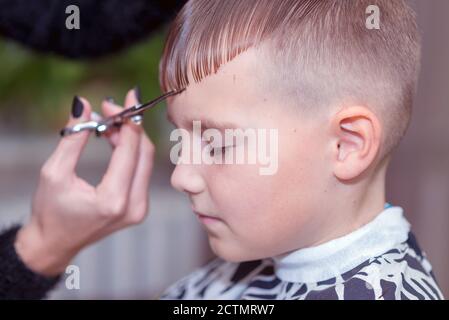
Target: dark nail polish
62	132
110	99
77	107
137	93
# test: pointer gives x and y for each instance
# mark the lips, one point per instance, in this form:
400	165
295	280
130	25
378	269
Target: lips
202	215
206	219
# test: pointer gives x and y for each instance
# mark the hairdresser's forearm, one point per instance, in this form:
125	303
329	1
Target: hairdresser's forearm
18	280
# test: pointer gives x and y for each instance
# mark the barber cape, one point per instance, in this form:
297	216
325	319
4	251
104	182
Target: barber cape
380	260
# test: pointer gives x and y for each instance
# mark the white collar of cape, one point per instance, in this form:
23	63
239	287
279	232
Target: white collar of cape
333	258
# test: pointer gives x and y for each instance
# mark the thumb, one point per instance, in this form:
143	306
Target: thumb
70	147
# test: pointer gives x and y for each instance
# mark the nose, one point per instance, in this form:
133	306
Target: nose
187	178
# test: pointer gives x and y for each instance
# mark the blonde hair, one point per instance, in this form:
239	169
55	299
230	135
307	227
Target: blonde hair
321	50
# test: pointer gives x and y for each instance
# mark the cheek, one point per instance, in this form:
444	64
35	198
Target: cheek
266	214
236	189
253	206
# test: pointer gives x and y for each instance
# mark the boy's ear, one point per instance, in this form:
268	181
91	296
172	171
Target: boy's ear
357	132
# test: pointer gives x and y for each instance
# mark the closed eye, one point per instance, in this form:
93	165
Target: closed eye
220	150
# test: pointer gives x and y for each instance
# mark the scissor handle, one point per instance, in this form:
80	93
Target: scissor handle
89	125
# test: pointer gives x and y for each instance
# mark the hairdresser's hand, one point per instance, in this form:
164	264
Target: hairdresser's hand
68	213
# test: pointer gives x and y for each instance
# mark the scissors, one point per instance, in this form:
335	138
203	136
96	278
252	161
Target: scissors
135	113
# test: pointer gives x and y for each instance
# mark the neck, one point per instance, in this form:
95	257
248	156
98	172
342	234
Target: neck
370	200
357	203
338	256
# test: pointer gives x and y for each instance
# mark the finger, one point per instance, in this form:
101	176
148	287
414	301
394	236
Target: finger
133	97
108	133
120	173
109	108
69	149
139	194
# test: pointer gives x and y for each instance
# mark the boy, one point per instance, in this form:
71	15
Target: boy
339	95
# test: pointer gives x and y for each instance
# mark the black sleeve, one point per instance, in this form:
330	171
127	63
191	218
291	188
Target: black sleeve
16	280
105	26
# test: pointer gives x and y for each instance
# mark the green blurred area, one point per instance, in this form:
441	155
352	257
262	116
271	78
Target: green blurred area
36	90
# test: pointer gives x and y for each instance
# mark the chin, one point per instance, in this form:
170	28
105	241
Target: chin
229	252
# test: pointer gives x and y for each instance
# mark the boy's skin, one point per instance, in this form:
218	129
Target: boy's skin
329	181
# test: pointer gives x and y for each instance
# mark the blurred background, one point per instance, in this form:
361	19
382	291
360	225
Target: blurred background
36	90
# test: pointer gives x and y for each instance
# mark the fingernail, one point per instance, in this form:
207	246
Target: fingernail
77	107
137	93
110	99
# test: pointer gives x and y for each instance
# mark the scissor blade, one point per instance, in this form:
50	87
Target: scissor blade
151	103
139	108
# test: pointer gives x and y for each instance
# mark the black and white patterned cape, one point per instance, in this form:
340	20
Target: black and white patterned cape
381	260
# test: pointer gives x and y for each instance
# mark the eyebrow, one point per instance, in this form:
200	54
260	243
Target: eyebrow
207	123
212	124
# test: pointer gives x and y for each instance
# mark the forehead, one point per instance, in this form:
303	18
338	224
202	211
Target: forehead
233	89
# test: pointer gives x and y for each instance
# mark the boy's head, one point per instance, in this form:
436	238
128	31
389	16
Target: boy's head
338	93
